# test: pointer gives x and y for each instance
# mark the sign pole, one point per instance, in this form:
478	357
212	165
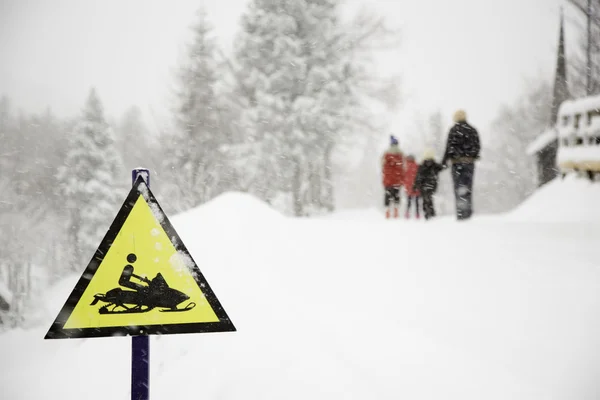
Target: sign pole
140	345
186	304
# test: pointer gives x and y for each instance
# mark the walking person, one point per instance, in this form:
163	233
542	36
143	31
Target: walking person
392	163
410	173
462	150
426	182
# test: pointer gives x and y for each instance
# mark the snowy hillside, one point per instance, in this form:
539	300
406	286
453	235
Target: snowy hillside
563	200
356	307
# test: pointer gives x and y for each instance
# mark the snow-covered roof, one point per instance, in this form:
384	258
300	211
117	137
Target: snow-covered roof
579	106
586	124
579	154
543	140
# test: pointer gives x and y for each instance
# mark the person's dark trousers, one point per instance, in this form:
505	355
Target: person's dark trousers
462	175
392	196
409	201
428	207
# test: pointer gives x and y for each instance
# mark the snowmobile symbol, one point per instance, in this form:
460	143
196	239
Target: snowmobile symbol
143	297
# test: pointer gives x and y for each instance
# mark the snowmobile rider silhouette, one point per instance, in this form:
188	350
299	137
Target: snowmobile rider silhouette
127	274
144	297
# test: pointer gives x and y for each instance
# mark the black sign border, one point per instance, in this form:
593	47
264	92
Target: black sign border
58	331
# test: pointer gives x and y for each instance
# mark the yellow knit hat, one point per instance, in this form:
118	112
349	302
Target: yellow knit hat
460	116
429	154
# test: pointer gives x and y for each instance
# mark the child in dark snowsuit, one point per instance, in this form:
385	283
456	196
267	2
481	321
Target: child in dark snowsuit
426	182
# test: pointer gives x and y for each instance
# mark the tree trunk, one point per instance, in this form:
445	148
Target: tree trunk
327	192
297	189
75	253
315	180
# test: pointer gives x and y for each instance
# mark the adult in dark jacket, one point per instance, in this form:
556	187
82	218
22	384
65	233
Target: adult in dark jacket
426	182
462	150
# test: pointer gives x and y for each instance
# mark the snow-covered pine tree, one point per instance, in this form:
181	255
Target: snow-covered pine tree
302	74
271	72
340	78
30	214
134	141
293	79
507	174
195	158
327	108
91	180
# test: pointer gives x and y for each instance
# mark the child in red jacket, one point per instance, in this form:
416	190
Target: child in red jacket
409	180
393	176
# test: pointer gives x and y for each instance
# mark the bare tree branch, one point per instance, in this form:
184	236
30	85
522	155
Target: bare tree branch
371	27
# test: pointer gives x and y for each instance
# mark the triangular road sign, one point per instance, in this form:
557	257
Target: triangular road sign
141	281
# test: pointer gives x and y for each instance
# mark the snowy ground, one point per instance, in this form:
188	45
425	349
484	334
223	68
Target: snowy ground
356	307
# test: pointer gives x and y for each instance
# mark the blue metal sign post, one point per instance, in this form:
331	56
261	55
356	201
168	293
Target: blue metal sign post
140	345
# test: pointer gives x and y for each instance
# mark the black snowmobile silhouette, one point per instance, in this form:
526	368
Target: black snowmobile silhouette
143	298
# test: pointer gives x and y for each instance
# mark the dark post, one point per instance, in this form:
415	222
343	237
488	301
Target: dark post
140	345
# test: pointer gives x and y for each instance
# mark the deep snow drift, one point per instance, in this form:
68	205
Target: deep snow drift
562	200
356	307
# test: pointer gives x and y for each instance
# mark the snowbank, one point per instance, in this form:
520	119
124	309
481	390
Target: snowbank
362	308
54	299
573	199
231	207
355	215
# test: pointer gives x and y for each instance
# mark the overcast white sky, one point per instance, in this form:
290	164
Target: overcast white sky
475	54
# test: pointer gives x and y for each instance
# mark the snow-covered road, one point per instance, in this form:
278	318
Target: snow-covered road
354	307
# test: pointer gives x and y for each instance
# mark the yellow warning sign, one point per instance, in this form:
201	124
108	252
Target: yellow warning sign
142	280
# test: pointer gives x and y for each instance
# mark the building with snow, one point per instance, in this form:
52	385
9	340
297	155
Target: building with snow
545	146
578	130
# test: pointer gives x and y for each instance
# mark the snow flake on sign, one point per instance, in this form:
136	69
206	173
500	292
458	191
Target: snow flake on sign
182	262
144	190
160	217
158	246
176	242
155	232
